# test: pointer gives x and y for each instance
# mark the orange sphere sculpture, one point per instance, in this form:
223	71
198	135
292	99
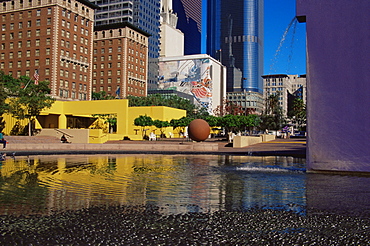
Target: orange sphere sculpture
198	130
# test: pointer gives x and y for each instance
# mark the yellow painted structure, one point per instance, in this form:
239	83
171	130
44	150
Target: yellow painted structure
68	116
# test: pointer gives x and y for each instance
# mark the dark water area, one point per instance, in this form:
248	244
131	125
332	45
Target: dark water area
178	200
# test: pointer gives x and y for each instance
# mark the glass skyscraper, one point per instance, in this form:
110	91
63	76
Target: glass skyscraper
142	13
235	37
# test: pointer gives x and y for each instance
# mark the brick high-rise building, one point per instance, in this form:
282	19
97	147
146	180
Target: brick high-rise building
120	60
53	37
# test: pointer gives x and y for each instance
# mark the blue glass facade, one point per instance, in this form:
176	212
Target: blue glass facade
235	37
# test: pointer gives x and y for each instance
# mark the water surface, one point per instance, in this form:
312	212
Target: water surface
176	183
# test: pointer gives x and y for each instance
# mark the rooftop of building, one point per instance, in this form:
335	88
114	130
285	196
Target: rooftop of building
120	25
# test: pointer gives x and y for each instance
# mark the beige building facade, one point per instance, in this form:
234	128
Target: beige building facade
286	87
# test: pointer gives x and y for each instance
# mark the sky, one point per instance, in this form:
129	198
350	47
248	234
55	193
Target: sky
290	57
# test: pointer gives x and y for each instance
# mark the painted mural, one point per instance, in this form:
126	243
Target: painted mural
188	76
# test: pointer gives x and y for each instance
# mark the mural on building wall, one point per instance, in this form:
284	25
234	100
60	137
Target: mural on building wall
188	76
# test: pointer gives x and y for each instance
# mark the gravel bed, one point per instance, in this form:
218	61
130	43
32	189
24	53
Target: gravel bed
148	225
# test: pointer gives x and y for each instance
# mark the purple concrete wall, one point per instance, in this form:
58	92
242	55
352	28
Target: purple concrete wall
338	88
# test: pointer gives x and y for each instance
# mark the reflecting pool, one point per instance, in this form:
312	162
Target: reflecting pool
176	183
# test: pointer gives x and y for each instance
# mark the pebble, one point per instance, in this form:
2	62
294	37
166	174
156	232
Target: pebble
146	225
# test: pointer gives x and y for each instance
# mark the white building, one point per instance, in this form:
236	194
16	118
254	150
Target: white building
200	76
171	39
287	87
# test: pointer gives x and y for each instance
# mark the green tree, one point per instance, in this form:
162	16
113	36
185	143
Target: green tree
101	95
173	101
180	124
228	107
110	119
28	100
272	118
160	125
143	121
298	113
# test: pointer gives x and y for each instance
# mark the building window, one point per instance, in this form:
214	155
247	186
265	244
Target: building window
37	42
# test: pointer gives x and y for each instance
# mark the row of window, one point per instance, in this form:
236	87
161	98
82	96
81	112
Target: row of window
275	89
110	50
26	73
65	84
244	38
82	59
29	43
273	83
65	73
26	63
29	34
109	81
110	42
274	79
102	58
37	51
28	24
109	73
66	44
109	65
29	14
20	54
65	94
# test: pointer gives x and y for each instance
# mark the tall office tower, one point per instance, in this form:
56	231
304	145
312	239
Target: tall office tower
235	36
52	37
189	13
120	60
142	13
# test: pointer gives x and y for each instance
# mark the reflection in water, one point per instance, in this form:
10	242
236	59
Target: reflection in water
176	183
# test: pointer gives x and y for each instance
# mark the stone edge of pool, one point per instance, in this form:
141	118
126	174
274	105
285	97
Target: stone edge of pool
279	147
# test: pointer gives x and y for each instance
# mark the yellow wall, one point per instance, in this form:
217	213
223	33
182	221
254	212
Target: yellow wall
56	116
156	113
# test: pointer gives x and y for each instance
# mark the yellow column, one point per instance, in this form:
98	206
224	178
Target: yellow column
62	121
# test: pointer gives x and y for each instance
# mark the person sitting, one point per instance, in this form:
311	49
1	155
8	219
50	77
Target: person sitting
152	136
63	139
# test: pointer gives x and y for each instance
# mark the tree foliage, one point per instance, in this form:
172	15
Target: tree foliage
143	121
181	123
160	125
272	118
173	101
101	95
298	113
26	99
228	107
